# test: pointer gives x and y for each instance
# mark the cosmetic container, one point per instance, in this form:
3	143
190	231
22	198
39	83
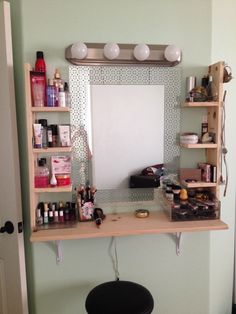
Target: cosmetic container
49	136
38	84
67	95
39	218
57	78
64	135
209	89
61	97
54	135
45	217
51	94
56	218
44	125
41	177
40	65
37	130
50	216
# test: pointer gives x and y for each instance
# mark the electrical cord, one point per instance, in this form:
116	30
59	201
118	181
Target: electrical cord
224	150
114	257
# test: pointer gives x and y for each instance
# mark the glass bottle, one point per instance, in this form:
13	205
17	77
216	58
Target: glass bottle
41	176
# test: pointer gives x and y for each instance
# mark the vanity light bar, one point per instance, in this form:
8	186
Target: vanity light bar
122	54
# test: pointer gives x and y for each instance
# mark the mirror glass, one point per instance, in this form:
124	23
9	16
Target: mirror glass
123	119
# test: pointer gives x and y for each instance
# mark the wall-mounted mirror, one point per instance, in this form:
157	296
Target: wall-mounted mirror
124	118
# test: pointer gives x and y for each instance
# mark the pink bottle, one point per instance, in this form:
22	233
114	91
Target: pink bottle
41	178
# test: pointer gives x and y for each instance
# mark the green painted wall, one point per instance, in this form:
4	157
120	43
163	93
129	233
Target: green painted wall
180	285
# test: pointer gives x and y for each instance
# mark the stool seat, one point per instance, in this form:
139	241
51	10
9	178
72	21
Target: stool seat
119	297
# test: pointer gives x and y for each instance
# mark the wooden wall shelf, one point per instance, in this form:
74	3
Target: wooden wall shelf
57	189
201	104
126	224
207	145
53	150
50	109
199	184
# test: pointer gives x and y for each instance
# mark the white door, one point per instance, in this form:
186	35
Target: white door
13	294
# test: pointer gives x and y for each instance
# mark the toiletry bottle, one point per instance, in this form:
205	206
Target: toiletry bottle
49	136
40	65
209	88
204	125
51	94
67	95
61	97
57	77
41	177
44	125
54	135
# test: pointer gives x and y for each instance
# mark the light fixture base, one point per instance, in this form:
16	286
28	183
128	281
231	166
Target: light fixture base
95	56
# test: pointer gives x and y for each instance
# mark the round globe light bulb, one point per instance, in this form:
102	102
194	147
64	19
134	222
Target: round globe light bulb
79	50
111	51
172	53
141	52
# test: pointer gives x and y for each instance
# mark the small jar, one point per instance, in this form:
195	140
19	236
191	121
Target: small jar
63	179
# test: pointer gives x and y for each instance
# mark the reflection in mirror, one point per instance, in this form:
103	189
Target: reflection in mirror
127	132
162	123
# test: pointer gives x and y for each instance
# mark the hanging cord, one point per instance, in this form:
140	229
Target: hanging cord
114	257
223	148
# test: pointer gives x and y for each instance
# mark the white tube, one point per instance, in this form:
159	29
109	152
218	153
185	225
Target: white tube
37	135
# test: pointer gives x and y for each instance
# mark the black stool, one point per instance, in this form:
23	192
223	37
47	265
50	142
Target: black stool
119	297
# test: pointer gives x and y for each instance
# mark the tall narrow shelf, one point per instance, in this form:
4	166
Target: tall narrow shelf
33	153
214	114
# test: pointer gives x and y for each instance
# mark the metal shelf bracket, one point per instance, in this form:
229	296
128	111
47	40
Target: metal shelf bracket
58	252
178	239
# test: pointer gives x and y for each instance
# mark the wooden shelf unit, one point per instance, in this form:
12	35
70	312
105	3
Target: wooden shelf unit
126	224
120	224
214	114
31	116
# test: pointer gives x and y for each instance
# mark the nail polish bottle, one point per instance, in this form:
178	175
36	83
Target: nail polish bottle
45	217
56	218
39	218
50	216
